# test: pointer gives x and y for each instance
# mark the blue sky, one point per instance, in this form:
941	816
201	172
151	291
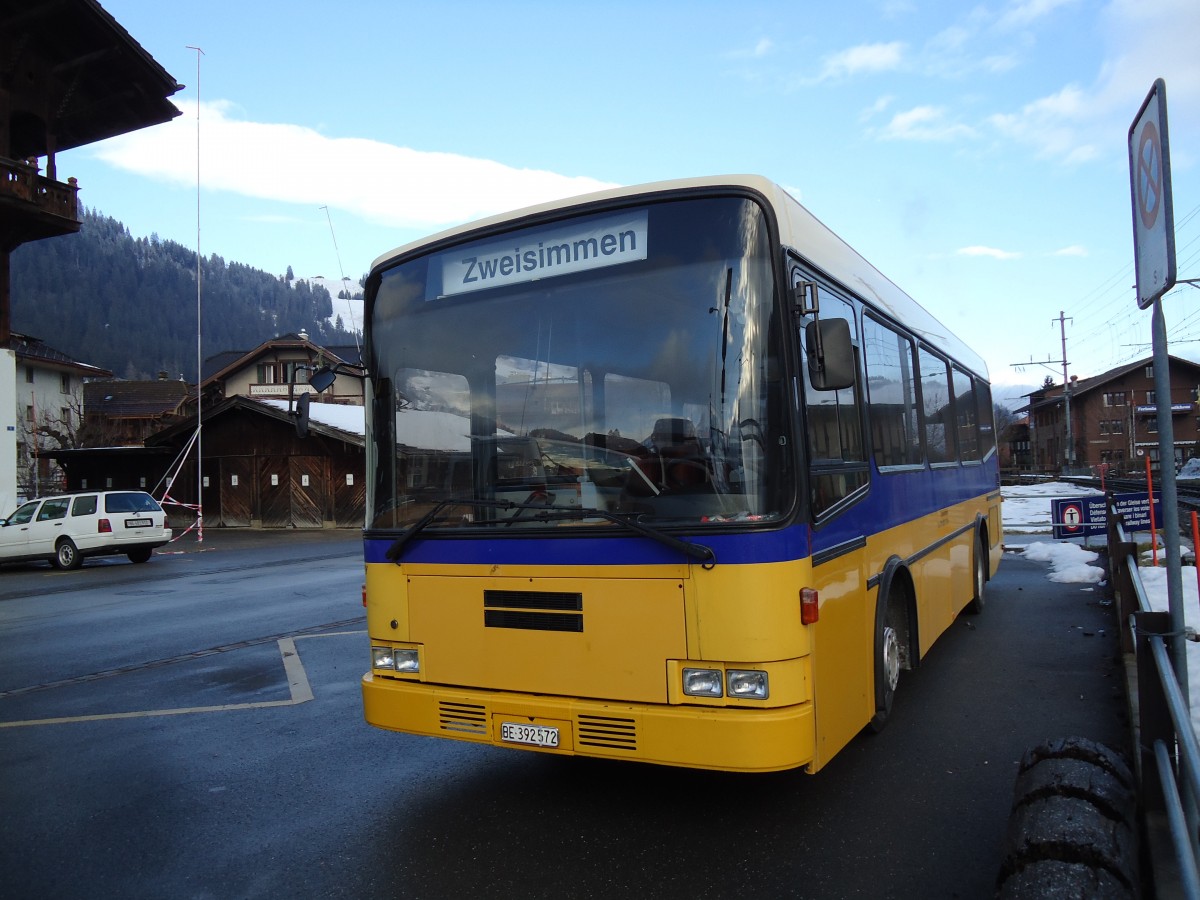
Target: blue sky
975	154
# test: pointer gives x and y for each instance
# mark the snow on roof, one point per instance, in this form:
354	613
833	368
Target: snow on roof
415	428
349	419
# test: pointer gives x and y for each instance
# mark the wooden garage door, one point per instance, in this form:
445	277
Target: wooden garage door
349	499
237	492
292	491
308	491
274	492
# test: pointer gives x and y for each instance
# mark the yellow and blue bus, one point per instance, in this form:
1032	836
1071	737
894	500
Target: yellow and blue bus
666	473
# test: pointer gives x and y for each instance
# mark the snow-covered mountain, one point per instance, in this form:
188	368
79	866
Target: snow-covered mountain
350	310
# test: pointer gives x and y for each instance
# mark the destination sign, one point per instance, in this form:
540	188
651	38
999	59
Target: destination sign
546	252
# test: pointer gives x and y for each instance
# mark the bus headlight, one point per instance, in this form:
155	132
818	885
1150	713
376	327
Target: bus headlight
702	682
396	659
747	684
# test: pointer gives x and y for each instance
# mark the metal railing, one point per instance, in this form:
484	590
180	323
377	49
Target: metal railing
1168	762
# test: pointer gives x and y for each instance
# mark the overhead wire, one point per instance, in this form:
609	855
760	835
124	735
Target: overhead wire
1115	335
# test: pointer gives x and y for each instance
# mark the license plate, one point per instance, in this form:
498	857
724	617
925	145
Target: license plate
138	523
534	735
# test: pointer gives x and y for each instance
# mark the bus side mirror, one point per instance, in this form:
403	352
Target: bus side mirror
830	354
302	414
322	379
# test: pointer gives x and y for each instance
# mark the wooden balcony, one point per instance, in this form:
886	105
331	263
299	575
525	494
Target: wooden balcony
33	207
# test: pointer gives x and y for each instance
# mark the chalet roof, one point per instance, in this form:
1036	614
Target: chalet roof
221	365
272	411
78	64
34	350
134	399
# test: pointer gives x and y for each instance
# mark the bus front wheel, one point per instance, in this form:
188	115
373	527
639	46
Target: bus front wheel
979	576
887	662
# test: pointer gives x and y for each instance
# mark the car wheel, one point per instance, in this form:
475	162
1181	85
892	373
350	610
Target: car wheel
140	555
66	555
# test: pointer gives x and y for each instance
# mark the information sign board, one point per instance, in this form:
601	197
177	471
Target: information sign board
1085	516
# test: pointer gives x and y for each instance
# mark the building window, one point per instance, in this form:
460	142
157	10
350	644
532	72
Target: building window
64	382
1150	371
29	414
29	374
1116	398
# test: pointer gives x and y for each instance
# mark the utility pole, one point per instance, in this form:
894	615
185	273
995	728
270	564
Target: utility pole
1062	327
1062	320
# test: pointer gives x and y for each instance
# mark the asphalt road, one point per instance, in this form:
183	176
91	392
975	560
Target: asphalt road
157	740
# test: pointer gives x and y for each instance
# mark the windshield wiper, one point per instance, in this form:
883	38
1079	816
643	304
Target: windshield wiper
700	552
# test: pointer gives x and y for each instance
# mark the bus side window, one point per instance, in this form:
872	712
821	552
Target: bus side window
836	449
987	418
892	402
966	416
938	408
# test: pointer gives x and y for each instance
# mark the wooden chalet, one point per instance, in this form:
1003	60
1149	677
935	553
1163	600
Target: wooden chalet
125	413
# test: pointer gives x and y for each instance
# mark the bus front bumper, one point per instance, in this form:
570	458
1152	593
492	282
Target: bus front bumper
731	739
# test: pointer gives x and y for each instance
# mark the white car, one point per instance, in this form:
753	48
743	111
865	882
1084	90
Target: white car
67	528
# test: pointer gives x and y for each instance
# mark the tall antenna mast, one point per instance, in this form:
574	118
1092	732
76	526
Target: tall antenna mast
199	356
342	272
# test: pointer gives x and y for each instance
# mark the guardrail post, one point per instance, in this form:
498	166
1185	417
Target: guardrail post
1154	714
1122	556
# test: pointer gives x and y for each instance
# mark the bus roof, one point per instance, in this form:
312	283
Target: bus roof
800	230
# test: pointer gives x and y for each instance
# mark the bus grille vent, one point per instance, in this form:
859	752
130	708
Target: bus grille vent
465	718
533	610
608	732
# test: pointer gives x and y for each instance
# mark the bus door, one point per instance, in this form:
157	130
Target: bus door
837	479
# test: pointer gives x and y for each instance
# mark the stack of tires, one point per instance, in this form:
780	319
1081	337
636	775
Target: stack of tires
1073	827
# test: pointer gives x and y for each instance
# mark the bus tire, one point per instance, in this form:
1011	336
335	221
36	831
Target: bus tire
888	656
979	576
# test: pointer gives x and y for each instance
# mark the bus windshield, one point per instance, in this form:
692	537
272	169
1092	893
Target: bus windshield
627	361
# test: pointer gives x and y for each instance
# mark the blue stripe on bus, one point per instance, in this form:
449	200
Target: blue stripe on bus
756	547
894	498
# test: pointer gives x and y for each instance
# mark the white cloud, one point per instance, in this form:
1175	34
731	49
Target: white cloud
923	123
762	49
1025	13
991	252
1078	122
1056	125
1073	250
383	183
865	58
876	108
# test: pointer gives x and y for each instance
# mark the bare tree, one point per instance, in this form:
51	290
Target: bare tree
69	429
